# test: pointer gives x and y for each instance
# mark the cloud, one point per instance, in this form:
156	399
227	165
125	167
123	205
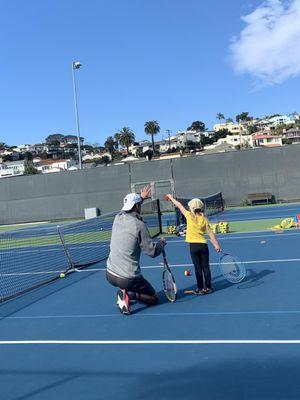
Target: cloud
268	48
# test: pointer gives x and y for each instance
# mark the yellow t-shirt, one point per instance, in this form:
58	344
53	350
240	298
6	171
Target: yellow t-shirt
195	229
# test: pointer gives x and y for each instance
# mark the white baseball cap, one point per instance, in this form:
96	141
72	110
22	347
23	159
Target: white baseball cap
131	200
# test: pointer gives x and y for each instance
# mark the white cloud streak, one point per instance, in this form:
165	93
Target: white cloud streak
268	48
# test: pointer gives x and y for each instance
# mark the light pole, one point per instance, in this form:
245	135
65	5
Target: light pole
76	65
168	133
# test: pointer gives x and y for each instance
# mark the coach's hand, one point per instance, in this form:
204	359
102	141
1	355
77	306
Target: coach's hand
146	192
163	241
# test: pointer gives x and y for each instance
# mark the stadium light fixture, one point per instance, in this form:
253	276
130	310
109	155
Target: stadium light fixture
76	65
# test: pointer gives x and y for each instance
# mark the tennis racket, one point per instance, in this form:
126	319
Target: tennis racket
232	268
169	284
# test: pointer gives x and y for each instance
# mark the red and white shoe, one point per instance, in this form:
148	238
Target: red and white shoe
123	302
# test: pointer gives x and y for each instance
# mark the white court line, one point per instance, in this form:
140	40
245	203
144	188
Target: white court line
143	342
247	236
162	314
212	263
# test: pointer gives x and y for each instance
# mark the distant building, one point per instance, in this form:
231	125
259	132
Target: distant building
280	120
72	139
12	168
49	166
23	148
235	140
187	136
263	140
292	134
231	127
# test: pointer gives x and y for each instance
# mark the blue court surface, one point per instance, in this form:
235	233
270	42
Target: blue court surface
67	339
260	212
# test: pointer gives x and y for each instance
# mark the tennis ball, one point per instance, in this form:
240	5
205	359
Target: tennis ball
187	273
62	275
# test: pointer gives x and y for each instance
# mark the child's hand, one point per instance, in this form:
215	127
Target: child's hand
169	197
217	248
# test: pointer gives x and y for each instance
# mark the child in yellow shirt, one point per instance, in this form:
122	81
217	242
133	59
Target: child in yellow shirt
197	226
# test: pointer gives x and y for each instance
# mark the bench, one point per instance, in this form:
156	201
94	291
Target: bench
260	198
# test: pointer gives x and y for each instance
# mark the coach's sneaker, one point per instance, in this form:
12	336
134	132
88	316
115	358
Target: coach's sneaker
123	301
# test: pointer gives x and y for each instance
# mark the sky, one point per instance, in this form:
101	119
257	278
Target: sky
174	61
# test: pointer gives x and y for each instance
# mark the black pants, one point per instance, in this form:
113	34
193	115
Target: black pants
200	258
138	285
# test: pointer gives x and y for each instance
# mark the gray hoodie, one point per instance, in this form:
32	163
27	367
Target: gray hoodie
129	237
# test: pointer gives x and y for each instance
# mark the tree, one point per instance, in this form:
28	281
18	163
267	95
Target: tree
28	164
7	157
240	118
148	154
57	137
139	152
197	126
251	129
109	144
105	160
127	137
117	137
152	128
220	116
229	120
222	133
30	169
28	156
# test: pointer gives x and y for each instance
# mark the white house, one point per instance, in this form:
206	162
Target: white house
263	140
23	148
187	136
280	120
12	168
49	166
235	140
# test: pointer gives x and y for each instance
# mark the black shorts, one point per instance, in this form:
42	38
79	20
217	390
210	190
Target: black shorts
138	285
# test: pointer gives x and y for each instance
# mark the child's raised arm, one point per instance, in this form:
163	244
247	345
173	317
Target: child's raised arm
213	238
177	204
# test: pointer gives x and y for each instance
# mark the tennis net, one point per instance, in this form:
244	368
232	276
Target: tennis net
213	204
35	256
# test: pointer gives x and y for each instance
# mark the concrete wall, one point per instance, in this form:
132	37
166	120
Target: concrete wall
62	195
67	194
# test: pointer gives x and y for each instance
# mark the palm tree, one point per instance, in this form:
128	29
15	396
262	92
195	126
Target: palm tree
220	116
117	139
240	118
152	128
229	121
127	137
109	144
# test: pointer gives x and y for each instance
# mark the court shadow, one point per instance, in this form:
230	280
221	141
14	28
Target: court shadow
251	280
254	278
20	302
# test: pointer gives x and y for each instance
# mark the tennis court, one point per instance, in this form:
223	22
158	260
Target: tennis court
67	339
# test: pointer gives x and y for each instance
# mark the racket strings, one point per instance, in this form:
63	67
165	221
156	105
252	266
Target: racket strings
169	285
232	268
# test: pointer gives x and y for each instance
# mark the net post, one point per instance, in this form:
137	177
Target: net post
159	216
69	259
